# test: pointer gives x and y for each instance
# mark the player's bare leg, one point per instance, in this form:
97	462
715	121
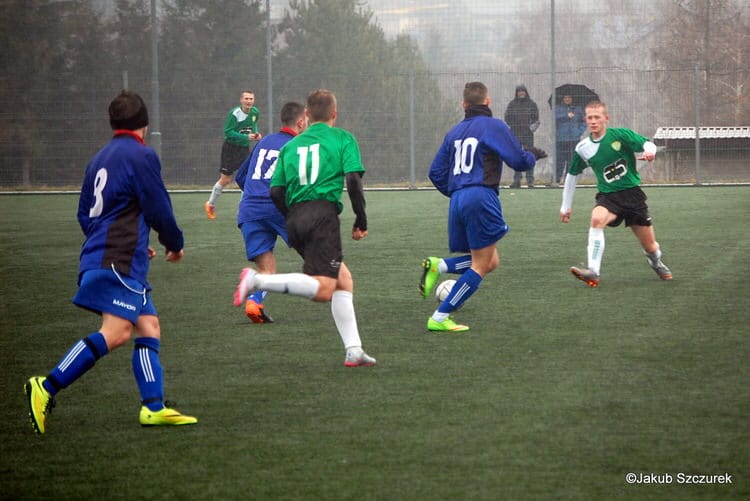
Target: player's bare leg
647	237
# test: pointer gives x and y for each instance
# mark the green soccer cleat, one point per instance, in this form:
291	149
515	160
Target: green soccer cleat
430	276
164	417
40	403
447	325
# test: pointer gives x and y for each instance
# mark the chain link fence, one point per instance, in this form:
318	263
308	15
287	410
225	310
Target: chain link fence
647	100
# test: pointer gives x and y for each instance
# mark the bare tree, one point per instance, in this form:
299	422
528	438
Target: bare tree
714	37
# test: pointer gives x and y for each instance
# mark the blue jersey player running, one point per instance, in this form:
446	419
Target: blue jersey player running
122	199
258	218
467	169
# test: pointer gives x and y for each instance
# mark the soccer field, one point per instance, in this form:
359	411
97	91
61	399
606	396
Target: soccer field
558	391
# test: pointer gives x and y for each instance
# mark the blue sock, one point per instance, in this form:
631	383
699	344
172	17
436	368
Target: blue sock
148	373
258	296
458	264
80	357
466	285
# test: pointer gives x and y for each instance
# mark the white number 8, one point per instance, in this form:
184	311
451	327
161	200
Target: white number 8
99	183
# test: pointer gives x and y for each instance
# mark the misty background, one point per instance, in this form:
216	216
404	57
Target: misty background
397	68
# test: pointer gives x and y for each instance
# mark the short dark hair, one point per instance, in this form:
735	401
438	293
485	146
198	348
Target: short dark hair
291	111
321	104
128	111
475	93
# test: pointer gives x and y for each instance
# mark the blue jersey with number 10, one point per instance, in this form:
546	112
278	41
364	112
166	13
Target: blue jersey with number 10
473	152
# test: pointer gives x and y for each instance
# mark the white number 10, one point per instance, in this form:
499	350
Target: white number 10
464	156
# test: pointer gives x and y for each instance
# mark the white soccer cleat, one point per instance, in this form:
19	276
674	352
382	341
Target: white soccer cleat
656	264
246	286
358	358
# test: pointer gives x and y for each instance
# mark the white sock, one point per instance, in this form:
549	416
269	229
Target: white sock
342	308
442	266
595	249
215	192
296	284
439	317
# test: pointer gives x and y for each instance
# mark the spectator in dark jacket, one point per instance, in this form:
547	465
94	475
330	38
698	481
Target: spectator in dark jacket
522	116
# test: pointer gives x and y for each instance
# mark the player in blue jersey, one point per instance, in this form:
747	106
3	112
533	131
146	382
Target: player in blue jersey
122	199
258	218
467	169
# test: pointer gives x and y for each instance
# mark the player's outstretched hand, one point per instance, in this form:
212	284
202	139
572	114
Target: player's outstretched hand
358	234
537	152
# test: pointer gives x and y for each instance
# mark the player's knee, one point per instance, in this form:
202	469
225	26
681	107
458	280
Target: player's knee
117	337
598	221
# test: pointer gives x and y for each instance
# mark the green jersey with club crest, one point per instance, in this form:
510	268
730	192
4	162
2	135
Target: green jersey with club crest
612	158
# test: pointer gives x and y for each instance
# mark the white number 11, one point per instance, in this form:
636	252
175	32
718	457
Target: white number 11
314	152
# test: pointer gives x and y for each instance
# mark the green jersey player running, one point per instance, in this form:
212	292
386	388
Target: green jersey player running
611	155
306	187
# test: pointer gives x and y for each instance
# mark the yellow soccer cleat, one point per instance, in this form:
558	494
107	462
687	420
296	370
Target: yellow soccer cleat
430	276
164	417
447	325
40	403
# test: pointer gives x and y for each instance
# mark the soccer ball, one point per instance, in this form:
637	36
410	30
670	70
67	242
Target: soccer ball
443	289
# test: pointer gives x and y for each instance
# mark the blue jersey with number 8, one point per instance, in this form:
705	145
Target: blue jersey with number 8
122	198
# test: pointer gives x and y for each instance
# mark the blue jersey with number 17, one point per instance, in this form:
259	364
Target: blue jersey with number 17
473	152
254	177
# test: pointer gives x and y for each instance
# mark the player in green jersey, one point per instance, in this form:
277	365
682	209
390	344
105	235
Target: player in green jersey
306	187
240	129
611	155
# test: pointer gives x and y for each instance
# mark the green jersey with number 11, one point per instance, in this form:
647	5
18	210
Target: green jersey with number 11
612	158
313	165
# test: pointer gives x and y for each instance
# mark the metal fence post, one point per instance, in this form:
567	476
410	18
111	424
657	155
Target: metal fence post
697	124
412	133
154	119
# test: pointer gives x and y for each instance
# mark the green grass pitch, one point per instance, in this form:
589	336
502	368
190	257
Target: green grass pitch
557	392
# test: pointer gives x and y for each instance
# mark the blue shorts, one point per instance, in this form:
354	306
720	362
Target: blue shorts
260	236
475	219
104	291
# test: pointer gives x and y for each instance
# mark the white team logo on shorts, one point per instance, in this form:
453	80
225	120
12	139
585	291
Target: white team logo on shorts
119	303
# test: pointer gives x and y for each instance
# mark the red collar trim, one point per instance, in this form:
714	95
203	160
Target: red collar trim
126	132
289	131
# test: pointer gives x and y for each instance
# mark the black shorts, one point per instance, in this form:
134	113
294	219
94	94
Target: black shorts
314	232
232	157
628	205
